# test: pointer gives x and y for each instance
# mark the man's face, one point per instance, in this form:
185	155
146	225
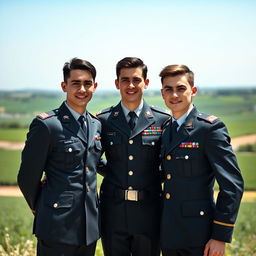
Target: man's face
177	94
131	85
79	88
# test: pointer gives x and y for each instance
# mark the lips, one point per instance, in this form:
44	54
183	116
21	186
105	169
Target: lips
175	102
81	97
130	92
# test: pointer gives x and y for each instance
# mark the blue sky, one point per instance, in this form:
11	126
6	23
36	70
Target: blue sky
216	39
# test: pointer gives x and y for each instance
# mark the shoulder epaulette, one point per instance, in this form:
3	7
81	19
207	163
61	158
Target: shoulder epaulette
45	115
161	110
209	118
106	110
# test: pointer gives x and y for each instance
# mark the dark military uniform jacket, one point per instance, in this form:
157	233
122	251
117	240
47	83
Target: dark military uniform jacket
66	208
199	154
133	160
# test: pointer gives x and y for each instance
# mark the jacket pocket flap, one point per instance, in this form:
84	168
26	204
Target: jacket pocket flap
64	200
196	208
150	140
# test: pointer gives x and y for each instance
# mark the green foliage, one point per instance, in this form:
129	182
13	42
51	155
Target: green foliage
17	135
247	163
16	216
247	148
244	241
9	166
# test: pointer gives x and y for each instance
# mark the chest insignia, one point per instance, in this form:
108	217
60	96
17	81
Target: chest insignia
152	130
189	145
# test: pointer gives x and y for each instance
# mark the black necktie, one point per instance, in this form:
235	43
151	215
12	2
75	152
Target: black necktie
81	120
174	129
132	119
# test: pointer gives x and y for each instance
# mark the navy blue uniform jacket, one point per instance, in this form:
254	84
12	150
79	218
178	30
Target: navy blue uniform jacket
133	161
66	209
199	154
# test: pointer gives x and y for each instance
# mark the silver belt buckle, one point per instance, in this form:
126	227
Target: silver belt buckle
131	195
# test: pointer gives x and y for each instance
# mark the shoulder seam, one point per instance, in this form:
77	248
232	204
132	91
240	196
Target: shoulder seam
160	110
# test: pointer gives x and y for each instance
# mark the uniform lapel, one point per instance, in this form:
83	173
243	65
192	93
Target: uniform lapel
118	120
145	119
183	132
69	122
91	128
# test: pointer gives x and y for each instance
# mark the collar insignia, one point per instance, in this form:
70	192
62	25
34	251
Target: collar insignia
149	114
66	117
116	113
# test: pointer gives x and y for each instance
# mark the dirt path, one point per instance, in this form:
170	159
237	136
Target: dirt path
14	191
9	145
243	140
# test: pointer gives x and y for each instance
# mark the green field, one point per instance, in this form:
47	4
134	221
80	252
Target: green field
10	161
247	164
15	135
236	108
16	216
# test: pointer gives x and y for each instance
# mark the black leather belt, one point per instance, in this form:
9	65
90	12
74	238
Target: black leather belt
129	194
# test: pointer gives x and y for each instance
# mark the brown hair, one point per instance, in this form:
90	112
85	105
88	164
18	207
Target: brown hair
175	70
131	62
76	63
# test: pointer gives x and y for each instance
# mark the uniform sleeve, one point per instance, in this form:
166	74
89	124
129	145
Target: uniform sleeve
33	160
228	176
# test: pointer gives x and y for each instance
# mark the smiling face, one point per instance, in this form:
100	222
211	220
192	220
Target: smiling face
79	88
131	85
177	94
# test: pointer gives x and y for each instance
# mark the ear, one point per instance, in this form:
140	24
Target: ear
146	83
117	84
194	91
64	86
95	86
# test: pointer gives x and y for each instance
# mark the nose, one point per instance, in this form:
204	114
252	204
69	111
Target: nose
131	85
83	88
175	94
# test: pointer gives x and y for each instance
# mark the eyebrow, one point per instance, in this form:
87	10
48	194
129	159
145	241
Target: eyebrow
178	86
77	81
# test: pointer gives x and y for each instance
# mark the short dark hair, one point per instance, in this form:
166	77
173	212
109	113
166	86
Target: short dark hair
131	62
175	70
77	63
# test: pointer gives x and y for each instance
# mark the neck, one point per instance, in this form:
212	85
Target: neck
79	110
178	114
131	105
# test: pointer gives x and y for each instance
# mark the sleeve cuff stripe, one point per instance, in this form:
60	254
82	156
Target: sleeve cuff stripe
223	224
